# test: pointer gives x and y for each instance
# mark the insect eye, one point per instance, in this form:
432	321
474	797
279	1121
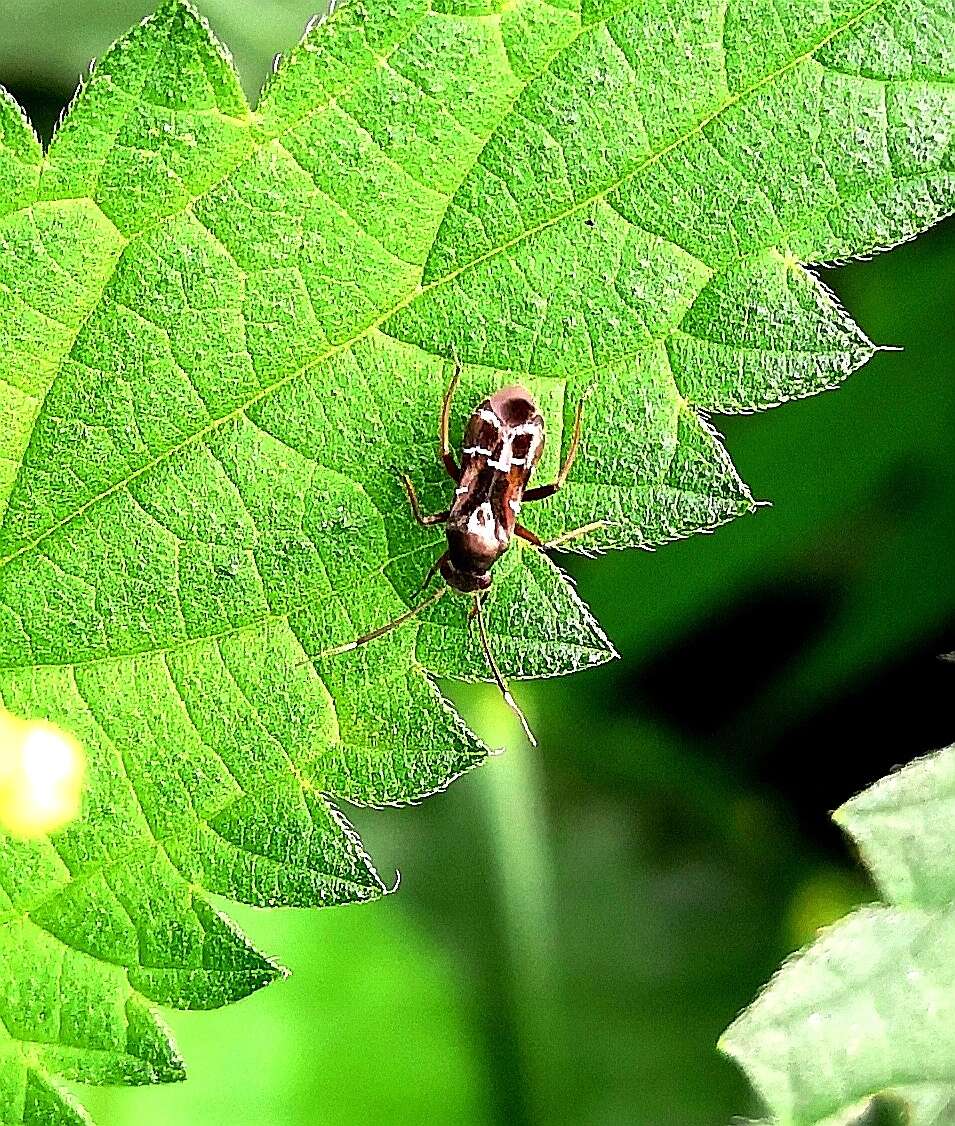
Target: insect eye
521	445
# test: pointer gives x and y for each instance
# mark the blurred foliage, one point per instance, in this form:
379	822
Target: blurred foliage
576	956
669	842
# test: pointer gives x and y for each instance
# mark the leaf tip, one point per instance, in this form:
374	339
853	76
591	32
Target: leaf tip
10	104
183	14
168	8
278	971
150	1039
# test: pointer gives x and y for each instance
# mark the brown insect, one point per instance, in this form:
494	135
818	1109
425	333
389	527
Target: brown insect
503	442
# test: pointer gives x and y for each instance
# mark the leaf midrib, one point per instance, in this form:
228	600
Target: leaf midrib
263	392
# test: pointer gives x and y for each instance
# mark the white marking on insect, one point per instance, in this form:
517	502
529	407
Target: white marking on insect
489	416
515	505
482	526
461	492
476	450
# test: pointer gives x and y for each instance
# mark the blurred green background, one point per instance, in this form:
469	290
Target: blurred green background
576	925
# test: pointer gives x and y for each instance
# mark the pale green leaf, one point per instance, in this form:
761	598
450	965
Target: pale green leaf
903	827
860	1026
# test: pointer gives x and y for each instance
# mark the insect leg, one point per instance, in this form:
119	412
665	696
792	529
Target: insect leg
526	534
472	614
446	455
382	630
432	571
575	532
544	491
424	520
496	672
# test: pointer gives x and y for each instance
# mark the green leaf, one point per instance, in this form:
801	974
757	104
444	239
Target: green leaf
863	1020
902	826
224	332
49	45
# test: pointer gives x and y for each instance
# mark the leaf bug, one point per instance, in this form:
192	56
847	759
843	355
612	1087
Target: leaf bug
503	442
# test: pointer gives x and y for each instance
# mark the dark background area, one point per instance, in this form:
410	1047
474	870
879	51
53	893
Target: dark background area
578	924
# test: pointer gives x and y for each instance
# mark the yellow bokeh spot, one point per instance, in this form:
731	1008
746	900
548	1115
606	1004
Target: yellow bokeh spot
41	777
822	898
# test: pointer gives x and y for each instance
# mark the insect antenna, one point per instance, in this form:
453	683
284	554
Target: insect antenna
501	682
382	630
